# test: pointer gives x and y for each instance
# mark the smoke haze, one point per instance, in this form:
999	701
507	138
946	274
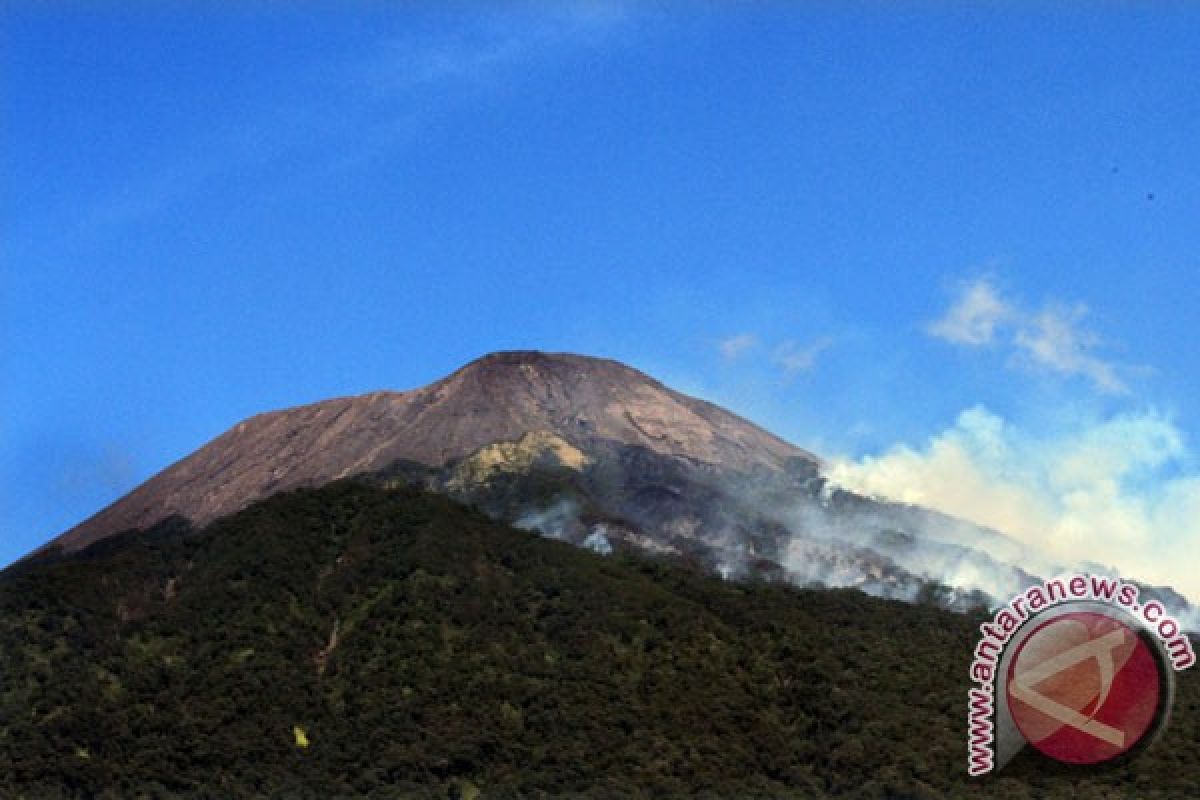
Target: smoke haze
1115	492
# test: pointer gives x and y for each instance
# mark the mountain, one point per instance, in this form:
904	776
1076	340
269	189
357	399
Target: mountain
356	641
577	400
376	597
596	453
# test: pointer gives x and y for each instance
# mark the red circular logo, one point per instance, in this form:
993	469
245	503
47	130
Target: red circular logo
1084	688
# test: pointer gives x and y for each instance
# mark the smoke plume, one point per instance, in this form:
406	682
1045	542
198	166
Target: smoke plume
1115	492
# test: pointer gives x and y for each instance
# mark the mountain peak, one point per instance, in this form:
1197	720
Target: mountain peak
498	397
499	358
531	366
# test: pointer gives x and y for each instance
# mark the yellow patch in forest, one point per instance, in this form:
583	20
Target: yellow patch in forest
467	790
301	736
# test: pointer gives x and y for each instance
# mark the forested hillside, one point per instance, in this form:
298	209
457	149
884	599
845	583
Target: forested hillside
353	641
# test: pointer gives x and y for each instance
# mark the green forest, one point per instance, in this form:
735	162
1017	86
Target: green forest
355	641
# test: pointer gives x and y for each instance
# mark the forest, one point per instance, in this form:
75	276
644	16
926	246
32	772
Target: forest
358	641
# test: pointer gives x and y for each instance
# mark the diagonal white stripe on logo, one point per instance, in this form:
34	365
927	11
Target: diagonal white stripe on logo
1099	649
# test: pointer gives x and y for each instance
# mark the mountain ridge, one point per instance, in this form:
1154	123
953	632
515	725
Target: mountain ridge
497	397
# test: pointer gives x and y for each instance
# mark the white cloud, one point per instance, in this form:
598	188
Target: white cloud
1054	339
973	317
1107	493
735	346
795	358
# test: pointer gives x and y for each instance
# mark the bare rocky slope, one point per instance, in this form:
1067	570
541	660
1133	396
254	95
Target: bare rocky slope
497	398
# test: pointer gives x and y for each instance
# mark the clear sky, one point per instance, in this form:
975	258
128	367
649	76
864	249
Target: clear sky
954	250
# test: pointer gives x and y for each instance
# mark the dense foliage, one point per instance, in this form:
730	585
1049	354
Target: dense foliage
354	641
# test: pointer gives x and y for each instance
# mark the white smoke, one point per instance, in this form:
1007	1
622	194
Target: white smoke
1112	492
554	521
841	549
597	541
731	553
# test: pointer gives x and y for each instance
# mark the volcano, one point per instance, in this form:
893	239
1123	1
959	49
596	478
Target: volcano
599	454
576	403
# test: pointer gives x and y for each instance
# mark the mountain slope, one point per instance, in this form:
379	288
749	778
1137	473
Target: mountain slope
594	452
422	650
499	397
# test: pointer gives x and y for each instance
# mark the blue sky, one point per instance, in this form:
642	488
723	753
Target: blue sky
888	234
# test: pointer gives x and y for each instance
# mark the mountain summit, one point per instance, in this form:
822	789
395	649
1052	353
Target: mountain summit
579	401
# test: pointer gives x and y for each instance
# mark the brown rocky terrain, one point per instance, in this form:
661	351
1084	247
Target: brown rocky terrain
575	400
